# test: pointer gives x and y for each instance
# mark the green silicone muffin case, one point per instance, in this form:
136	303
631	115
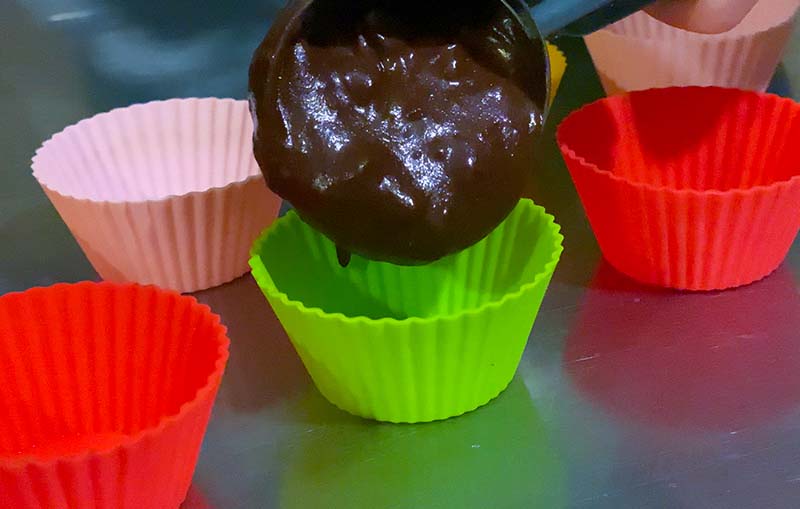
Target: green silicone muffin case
410	344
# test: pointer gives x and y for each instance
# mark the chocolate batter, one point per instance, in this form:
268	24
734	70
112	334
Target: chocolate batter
402	130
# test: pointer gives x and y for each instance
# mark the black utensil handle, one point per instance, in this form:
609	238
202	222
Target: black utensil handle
581	17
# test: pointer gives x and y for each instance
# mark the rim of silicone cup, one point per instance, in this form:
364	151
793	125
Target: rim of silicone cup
126	441
587	165
735	33
47	145
264	280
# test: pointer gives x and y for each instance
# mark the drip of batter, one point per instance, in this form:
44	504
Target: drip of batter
403	131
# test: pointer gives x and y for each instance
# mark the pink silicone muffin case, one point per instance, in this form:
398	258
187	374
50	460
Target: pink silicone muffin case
164	193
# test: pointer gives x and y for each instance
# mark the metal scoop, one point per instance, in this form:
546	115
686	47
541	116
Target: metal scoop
546	18
580	17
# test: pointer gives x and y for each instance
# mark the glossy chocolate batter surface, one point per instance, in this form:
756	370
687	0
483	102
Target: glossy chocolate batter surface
402	131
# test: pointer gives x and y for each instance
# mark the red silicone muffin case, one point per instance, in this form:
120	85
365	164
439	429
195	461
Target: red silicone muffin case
106	391
690	188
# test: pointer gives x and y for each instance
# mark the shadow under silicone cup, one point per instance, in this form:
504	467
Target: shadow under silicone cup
164	193
106	391
689	188
410	344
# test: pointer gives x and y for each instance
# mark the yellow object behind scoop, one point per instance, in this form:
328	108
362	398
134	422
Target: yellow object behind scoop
558	66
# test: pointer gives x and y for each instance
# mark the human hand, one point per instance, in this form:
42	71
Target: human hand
704	16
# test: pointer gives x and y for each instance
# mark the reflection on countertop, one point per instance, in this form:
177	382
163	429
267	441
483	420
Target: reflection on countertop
720	361
498	456
195	500
263	367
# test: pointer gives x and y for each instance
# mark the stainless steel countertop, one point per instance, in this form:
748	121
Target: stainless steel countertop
627	397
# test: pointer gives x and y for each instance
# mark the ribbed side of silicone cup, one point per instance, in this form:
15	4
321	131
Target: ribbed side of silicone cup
106	392
558	67
711	207
164	193
186	243
641	52
455	331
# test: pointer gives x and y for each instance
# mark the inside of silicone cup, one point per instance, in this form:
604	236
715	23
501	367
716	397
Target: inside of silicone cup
696	138
303	265
84	368
764	15
151	151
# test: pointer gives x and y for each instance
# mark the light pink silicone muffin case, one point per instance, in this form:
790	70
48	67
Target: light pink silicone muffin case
164	193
